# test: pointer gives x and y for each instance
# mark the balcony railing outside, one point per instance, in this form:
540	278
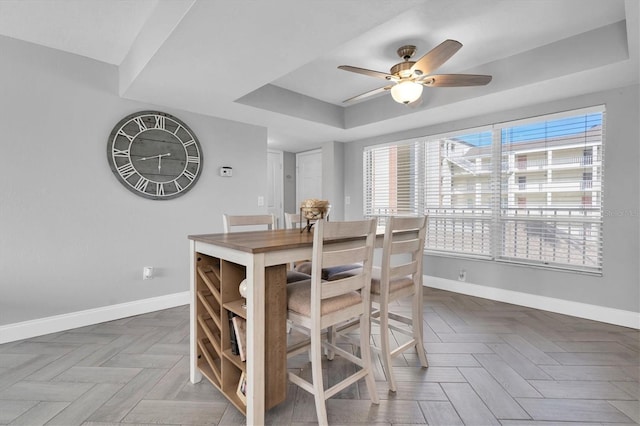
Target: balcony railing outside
552	236
536	187
542	164
546	236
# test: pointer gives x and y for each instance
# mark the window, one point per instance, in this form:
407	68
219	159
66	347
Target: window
527	192
587	156
522	183
557	228
587	180
394	180
457	193
522	161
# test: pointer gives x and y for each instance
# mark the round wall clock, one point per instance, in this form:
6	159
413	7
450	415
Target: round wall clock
154	155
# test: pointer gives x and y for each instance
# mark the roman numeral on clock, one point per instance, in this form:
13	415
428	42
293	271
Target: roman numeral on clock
126	170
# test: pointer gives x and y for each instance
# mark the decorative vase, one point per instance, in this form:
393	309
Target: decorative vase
242	288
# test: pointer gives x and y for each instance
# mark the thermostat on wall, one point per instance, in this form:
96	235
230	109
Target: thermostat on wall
226	171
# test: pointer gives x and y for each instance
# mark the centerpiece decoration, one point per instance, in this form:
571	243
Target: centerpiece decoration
313	209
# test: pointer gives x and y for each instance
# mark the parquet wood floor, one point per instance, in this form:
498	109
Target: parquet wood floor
491	363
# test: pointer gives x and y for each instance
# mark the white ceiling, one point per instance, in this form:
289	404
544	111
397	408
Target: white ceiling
274	63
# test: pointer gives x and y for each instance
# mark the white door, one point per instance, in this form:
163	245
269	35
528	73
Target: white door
275	184
308	175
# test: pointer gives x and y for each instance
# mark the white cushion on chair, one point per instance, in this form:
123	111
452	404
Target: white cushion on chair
299	299
394	284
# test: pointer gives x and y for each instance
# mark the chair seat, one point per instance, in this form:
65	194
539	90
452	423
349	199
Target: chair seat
299	297
295	276
328	274
394	284
376	274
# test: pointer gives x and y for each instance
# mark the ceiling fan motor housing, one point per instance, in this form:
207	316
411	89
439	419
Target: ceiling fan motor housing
403	69
406	52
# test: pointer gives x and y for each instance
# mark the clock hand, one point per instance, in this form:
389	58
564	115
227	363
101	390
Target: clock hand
168	154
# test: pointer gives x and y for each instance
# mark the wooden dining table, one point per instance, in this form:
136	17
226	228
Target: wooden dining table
263	255
256	252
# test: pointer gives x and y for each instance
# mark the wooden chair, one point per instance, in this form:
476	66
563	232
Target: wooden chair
397	279
267	221
231	221
317	304
293	221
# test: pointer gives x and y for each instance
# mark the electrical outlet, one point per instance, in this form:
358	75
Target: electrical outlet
260	201
147	273
462	275
347	200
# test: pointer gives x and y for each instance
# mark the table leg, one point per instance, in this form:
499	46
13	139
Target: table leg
256	340
194	374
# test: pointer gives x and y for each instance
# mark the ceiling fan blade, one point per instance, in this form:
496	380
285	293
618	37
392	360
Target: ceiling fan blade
456	80
370	73
437	56
367	94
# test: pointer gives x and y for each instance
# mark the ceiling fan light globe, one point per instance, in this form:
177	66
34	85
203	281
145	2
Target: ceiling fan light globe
406	92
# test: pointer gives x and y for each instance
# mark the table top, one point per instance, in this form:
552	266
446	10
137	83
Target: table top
258	241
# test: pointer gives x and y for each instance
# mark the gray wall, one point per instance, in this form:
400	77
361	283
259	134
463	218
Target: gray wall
619	286
71	236
333	178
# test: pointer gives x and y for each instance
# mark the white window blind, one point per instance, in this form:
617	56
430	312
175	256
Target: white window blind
528	191
459	196
393	180
551	203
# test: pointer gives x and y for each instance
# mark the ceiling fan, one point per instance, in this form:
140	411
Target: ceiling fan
410	77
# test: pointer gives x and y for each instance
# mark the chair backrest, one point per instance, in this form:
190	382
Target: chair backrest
339	243
234	221
404	239
292	220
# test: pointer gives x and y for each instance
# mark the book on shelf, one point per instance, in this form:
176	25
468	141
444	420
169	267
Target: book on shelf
240	329
242	388
232	335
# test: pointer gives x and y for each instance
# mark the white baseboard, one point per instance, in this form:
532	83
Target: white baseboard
54	324
566	307
57	323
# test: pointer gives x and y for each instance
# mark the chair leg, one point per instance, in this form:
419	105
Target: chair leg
365	355
417	327
385	353
331	338
316	374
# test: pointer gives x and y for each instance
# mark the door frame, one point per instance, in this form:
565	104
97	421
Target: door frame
280	209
